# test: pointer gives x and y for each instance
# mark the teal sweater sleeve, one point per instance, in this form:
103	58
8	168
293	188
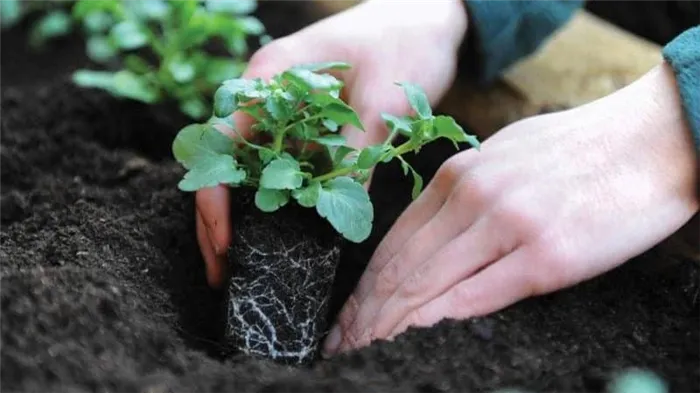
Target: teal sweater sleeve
503	32
683	55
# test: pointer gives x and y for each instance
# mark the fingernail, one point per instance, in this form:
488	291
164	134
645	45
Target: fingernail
332	342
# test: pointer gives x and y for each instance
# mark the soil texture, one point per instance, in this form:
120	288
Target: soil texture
103	286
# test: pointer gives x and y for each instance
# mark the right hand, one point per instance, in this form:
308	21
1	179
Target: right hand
413	41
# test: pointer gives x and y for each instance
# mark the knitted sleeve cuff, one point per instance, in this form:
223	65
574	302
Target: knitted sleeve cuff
683	55
503	32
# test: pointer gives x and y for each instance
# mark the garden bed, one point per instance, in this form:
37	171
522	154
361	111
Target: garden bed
103	286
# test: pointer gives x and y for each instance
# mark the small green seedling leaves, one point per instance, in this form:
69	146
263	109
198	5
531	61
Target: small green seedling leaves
296	151
346	205
172	35
10	13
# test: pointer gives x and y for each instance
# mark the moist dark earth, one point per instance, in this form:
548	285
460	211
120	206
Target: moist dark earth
103	287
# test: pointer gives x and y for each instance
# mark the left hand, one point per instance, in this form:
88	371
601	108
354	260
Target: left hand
548	202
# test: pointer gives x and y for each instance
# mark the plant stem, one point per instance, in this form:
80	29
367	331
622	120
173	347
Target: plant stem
334	173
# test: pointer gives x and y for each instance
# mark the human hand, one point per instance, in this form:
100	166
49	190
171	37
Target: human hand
548	202
420	46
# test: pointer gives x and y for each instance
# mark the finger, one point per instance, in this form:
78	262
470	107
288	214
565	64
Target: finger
377	287
418	213
499	285
213	203
214	269
473	249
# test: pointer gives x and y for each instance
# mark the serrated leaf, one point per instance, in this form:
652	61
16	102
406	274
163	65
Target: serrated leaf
370	156
417	179
210	171
346	205
129	35
282	173
308	196
270	200
331	140
100	49
312	81
226	96
447	127
277	107
10	13
399	124
336	110
198	141
329	65
418	99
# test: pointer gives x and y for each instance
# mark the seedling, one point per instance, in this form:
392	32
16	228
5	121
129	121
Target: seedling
157	46
296	151
54	22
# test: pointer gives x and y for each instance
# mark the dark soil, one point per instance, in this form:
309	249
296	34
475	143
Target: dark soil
103	286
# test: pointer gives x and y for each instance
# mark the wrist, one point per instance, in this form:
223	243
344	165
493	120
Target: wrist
652	121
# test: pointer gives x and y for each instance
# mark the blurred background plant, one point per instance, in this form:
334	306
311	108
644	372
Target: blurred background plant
151	51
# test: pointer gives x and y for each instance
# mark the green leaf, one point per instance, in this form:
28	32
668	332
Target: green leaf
278	107
94	79
330	65
231	6
312	81
97	22
266	155
219	69
226	96
417	98
198	141
136	64
340	154
182	70
251	25
82	8
308	196
148	9
330	125
398	124
130	85
282	174
270	200
370	156
10	13
52	25
100	49
346	205
194	107
129	35
417	182
447	127
212	170
341	115
331	140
